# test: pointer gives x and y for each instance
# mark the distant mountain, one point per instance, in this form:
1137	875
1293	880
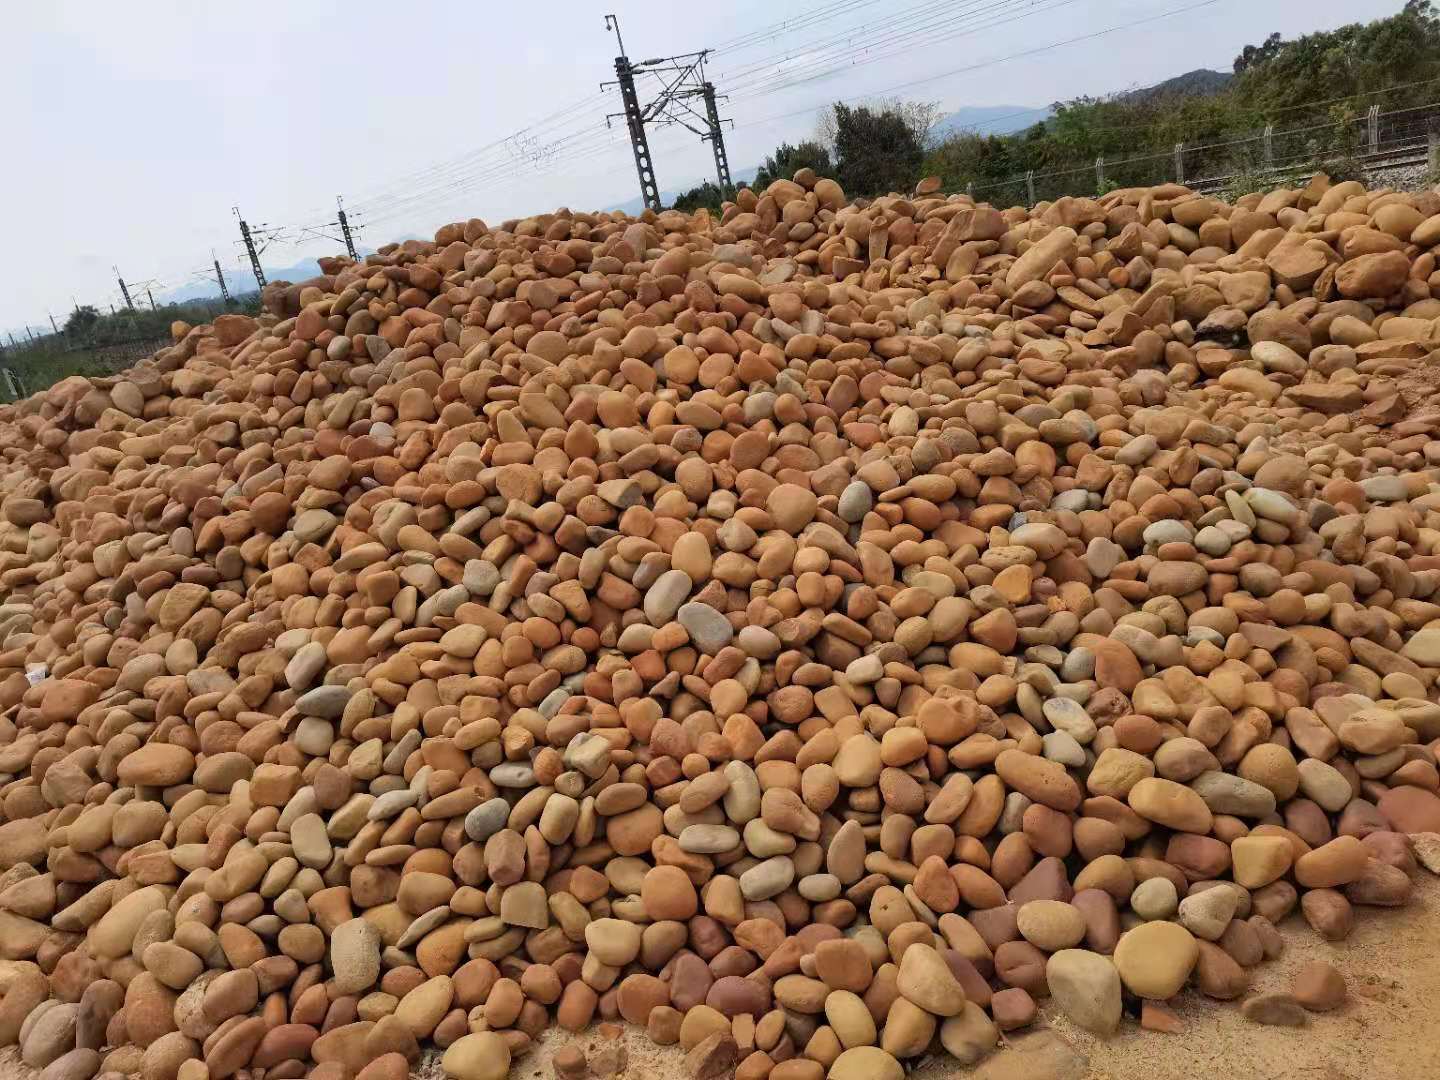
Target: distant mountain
1198	83
989	120
1007	119
243	281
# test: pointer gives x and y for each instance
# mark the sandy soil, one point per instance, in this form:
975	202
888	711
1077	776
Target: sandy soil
1390	1027
1388	1030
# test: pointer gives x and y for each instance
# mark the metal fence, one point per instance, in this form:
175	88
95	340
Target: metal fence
1401	137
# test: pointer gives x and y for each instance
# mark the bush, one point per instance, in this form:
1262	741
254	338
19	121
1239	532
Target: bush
787	160
707	195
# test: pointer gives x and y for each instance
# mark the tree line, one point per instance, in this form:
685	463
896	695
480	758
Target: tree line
1326	77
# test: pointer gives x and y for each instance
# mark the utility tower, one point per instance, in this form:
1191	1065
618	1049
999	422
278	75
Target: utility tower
682	83
220	278
345	228
716	138
124	289
341	222
249	238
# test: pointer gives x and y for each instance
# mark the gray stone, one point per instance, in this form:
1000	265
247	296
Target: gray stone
708	839
487	819
442	605
1041	537
1075	500
1138	450
310	841
855	501
326	702
1325	784
1070	717
708	629
308	662
1061	746
1206	914
423	924
1427	850
314	736
1086	988
391	803
52	1035
663	599
1280	1010
81	1063
355	956
513	774
311	525
1167	531
1271	505
1226	793
621	494
1213	541
1013	813
1041	1054
1102	556
550	704
1384	488
480	577
1155	898
1423	648
768	878
1078	666
865	670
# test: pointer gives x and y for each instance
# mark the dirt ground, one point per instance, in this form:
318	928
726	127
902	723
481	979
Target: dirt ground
1388	1030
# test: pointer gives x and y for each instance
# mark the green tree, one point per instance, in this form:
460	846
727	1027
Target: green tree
82	320
787	160
1379	59
877	150
706	195
1255	55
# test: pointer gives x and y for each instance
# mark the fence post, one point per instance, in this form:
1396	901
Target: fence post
1372	128
1432	146
13	385
1179	163
1030	186
970	189
1099	173
1267	146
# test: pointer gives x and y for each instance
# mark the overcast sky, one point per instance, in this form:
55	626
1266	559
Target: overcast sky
131	129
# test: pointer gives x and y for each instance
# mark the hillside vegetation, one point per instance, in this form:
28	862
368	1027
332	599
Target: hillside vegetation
93	343
1314	79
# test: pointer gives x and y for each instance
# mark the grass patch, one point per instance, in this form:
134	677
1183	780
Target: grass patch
41	367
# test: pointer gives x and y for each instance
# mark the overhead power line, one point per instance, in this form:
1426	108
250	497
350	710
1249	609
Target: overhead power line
344	230
255	241
574	129
981	65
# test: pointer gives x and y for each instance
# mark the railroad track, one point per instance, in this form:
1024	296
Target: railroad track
1417	153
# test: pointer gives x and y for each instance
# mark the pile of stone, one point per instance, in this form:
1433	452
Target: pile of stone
823	635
